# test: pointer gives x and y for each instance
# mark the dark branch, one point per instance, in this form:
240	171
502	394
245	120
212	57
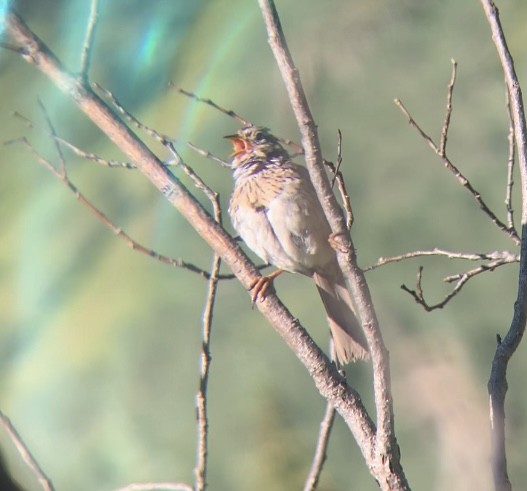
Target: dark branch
497	385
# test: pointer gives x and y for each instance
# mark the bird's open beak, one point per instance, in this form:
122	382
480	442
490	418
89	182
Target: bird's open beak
239	144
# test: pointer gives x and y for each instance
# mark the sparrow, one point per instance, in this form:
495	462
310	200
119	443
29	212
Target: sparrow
275	210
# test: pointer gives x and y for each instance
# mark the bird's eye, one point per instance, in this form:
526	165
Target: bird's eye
259	137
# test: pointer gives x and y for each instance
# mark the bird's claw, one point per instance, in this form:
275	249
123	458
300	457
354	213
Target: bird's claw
260	287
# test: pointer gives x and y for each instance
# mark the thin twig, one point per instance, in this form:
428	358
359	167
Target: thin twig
211	103
24	452
232	114
511	160
203	423
53	134
165	140
62	175
111	163
418	294
341	184
133	244
346	200
339	157
448	111
460	279
459	176
505	256
87	48
321	449
76	150
339	178
208	155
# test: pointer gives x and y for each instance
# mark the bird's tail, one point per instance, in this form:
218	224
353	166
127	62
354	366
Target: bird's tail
348	337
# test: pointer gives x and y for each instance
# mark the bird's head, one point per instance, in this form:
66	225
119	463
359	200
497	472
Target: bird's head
254	142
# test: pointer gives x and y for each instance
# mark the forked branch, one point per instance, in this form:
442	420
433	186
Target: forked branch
497	385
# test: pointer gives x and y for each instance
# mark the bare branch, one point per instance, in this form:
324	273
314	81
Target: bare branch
201	465
111	163
504	256
460	279
203	423
339	157
511	160
232	114
24	452
53	135
136	246
339	178
497	385
208	155
76	150
384	461
346	200
459	176
320	451
165	140
448	112
88	40
484	268
418	294
515	93
211	103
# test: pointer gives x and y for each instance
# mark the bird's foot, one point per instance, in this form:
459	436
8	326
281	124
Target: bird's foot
339	242
260	287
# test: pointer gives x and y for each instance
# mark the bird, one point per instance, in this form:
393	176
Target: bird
275	210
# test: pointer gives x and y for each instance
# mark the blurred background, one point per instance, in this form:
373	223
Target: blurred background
99	345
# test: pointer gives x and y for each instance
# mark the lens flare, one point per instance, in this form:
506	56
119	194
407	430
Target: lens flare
233	30
4	7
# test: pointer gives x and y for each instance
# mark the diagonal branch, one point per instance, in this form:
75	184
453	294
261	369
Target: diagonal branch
328	381
211	103
165	140
26	455
384	461
118	231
